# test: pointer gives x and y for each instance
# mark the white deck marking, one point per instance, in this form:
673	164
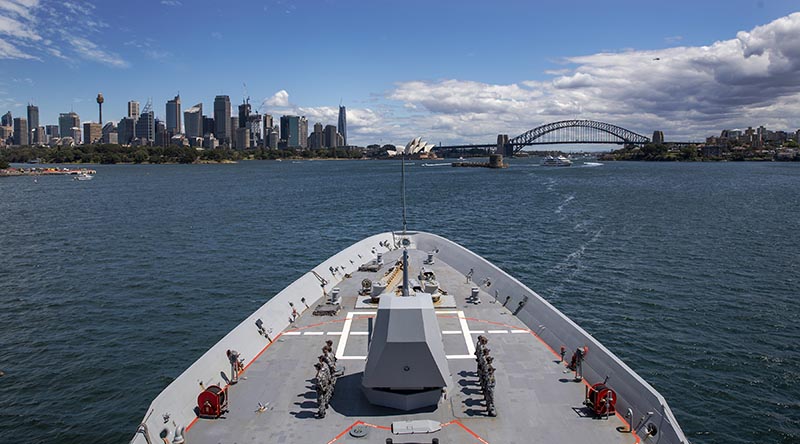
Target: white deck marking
496	331
465	330
359	333
477	332
520	331
334	333
460	357
353	358
293	333
451	332
348	323
314	333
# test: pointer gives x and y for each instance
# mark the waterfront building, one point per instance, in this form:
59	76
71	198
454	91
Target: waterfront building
222	119
331	141
208	125
193	120
126	130
111	138
254	125
242	138
67	121
75	134
244	114
268	123
174	115
303	135
290	131
109	127
7	120
21	131
797	136
210	142
92	133
52	131
317	138
234	123
133	109
658	137
39	136
146	128
7	134
33	120
273	139
342	127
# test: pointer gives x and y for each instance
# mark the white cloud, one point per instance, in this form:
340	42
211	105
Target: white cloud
171	2
279	99
689	92
16	29
90	51
9	51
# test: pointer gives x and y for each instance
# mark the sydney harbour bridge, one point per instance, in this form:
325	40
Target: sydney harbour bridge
561	132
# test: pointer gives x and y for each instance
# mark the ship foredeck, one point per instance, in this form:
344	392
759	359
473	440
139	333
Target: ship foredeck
537	399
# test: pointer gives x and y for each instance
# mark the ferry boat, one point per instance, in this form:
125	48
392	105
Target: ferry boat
556	161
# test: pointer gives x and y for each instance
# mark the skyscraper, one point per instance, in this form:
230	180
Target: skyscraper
21	131
317	138
303	134
92	132
290	131
174	115
193	119
146	127
33	120
244	113
7	119
342	128
222	119
331	140
133	109
208	125
67	121
126	130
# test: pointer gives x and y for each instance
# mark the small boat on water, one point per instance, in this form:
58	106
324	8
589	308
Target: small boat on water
556	161
83	176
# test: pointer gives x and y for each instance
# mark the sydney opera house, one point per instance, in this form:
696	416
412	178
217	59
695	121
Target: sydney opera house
416	149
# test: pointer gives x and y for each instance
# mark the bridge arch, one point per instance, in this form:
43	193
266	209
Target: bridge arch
576	131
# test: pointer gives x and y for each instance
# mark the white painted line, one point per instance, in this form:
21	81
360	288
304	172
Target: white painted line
451	332
334	333
477	332
314	333
353	358
348	322
292	333
465	330
520	331
448	312
359	333
460	357
496	331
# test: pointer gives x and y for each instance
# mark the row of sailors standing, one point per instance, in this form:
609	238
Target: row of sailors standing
486	373
327	373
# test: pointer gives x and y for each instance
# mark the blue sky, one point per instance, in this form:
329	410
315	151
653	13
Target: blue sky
450	71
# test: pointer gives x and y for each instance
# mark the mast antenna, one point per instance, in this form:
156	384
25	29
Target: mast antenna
403	187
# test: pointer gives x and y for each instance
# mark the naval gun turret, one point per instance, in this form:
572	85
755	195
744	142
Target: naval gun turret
406	366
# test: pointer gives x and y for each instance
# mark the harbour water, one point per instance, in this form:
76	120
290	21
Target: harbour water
110	288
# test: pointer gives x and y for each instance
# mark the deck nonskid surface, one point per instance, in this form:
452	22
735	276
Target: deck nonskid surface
537	402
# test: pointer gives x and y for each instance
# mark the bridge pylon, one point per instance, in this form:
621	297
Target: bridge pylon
503	147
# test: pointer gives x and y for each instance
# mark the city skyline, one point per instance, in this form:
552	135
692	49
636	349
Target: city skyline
644	67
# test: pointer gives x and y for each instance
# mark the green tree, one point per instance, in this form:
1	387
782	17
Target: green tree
3	163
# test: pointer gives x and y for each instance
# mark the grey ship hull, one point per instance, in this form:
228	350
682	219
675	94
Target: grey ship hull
536	398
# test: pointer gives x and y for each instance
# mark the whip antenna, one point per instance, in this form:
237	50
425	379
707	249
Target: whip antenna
403	187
